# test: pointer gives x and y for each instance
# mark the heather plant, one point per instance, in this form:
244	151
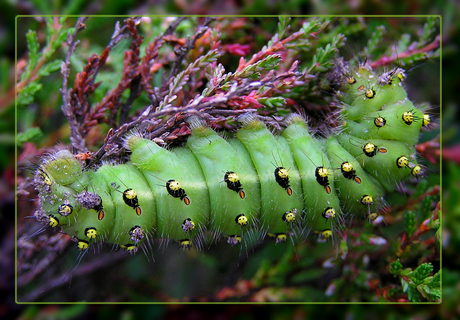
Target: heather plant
151	76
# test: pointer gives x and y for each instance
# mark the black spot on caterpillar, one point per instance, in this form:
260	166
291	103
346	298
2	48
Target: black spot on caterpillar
231	188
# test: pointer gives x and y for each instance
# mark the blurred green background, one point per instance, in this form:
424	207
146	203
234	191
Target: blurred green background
173	258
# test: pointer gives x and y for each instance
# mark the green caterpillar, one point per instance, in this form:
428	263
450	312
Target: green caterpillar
251	186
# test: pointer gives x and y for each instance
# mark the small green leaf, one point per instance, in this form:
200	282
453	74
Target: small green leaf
404	284
26	96
428	29
29	134
272	102
373	43
413	294
425	208
403	43
434	224
283	25
422	272
268	63
50	67
323	60
410	223
311	26
33	47
395	267
406	272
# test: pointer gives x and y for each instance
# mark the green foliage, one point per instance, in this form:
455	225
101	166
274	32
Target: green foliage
410	223
311	26
425	208
39	65
27	94
33	46
273	102
429	29
29	135
395	267
179	81
283	26
49	68
418	283
253	70
323	59
376	38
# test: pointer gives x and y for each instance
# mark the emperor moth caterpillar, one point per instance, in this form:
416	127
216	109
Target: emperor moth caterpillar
253	185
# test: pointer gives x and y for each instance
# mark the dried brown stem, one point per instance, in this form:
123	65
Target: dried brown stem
75	137
182	52
151	53
130	79
76	106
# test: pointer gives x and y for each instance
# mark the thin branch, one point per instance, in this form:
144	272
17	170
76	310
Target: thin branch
86	269
75	101
75	137
57	245
151	53
385	61
130	78
182	52
196	106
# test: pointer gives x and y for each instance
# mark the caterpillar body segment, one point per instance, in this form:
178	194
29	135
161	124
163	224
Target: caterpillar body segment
93	208
389	124
85	192
322	208
362	105
144	215
231	179
354	81
197	210
267	155
61	168
93	213
382	163
367	95
178	186
351	191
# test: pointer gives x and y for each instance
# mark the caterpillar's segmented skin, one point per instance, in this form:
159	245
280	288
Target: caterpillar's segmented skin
253	185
